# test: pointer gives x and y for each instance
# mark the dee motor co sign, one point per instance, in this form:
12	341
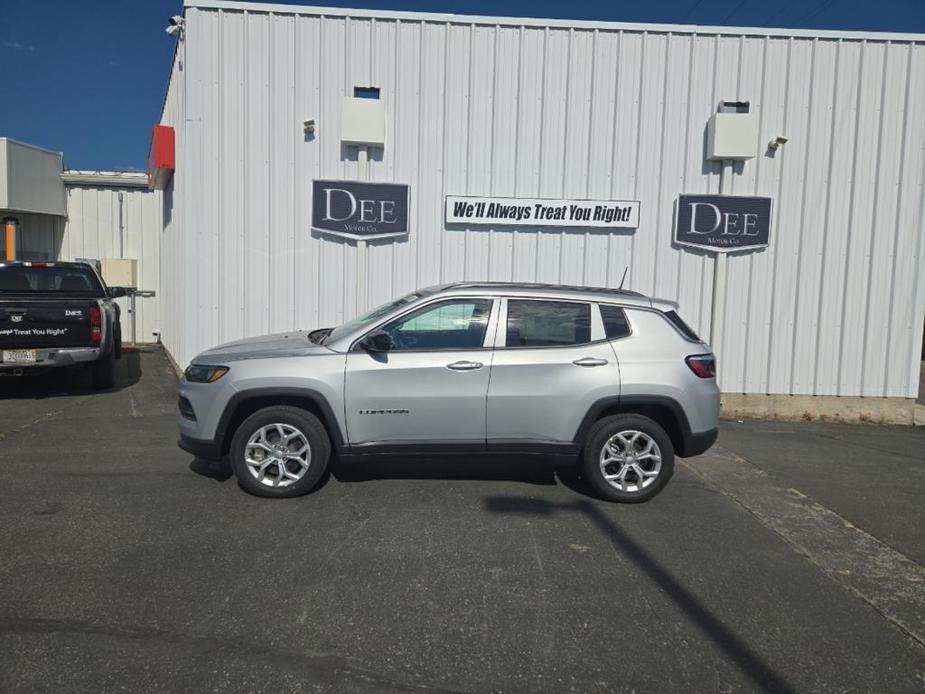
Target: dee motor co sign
360	210
607	214
723	223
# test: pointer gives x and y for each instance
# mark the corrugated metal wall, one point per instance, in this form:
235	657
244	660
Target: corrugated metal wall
92	231
40	235
834	306
178	306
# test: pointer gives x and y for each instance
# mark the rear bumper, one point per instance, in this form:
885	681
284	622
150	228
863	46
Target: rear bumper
50	357
201	448
695	444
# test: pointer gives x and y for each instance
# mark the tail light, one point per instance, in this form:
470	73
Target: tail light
703	365
96	324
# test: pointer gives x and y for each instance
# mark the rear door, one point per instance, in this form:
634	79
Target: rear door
552	362
432	386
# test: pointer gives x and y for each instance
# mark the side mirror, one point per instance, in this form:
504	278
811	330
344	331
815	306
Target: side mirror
116	292
379	341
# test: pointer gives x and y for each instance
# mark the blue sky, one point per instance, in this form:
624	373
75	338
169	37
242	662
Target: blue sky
88	77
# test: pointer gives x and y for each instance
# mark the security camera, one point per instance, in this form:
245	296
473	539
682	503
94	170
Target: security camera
777	142
175	25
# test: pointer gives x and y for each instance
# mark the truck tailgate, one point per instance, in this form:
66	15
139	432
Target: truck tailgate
32	323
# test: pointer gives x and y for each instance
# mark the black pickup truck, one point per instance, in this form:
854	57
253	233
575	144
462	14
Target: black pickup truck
58	315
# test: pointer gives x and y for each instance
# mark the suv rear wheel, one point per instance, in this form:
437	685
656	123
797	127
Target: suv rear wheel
627	458
280	451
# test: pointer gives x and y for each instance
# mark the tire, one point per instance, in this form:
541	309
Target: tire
258	439
117	341
636	444
104	372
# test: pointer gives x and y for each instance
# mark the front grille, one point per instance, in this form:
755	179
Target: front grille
186	409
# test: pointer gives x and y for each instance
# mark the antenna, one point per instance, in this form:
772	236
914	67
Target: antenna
624	277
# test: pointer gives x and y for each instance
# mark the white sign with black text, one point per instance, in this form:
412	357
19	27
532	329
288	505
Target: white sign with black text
600	214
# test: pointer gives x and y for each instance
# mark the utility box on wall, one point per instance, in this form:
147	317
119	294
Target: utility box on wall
362	122
120	272
732	133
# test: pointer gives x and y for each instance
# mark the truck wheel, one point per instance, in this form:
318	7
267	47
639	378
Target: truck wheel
104	372
117	341
627	458
280	451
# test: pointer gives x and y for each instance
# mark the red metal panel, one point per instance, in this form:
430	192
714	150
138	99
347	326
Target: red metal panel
161	157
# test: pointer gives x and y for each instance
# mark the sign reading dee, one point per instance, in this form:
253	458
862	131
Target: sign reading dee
723	223
607	214
360	210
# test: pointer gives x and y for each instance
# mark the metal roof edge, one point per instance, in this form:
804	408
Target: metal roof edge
118	179
552	23
31	146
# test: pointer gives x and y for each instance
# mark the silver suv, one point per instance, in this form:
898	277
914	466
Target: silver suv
609	375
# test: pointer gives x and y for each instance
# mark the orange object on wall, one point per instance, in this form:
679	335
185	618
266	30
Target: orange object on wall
161	157
10	246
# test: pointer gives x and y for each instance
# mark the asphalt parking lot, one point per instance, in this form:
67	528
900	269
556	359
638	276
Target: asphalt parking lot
787	559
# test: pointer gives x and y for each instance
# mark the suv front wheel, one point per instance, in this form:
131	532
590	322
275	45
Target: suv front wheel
627	458
280	451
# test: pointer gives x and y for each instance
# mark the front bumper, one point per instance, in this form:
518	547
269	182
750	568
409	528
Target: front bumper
201	448
51	357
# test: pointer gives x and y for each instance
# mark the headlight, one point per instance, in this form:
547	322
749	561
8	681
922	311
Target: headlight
196	373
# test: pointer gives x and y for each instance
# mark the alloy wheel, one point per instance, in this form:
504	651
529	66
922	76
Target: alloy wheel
630	461
277	455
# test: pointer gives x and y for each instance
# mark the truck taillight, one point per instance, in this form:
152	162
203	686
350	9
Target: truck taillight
703	365
96	324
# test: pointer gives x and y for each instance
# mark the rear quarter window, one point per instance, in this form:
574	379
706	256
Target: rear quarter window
682	326
615	323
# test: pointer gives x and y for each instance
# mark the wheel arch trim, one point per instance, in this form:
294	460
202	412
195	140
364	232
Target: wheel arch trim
626	403
329	419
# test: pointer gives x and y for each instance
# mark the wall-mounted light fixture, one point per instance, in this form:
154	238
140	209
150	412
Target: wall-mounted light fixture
774	144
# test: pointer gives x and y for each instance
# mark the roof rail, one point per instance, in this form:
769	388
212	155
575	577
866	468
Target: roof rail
538	285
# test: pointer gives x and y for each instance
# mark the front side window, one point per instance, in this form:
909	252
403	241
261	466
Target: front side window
547	323
456	324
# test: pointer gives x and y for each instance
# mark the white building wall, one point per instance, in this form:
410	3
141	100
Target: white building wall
177	306
557	109
91	230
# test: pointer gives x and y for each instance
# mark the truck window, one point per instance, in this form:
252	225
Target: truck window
49	279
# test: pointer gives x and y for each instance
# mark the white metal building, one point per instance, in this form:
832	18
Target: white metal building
553	109
67	215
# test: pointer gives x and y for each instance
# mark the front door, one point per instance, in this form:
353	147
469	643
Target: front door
431	386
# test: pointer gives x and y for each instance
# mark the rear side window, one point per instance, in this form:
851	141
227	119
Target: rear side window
615	323
547	323
682	326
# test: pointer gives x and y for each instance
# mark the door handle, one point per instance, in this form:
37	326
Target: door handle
465	365
589	361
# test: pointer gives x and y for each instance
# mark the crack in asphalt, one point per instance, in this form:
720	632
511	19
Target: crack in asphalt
327	667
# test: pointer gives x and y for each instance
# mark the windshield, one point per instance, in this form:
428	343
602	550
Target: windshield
49	279
368	317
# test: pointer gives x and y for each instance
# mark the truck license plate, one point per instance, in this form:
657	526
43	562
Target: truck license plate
19	356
